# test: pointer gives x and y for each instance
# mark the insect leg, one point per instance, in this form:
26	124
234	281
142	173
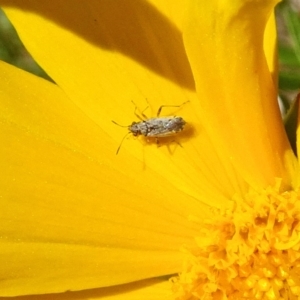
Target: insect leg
142	117
122	142
157	142
177	143
161	107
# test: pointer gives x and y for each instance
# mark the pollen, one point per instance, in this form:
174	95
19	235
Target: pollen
251	252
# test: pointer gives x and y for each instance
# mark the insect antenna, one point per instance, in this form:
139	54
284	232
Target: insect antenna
122	142
119	124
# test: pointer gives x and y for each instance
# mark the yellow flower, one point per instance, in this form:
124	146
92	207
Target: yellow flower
222	211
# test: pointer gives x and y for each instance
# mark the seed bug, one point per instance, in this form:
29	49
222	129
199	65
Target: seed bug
157	127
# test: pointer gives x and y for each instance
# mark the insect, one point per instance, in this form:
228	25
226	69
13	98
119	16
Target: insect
157	127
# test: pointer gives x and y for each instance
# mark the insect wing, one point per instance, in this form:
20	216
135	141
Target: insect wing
164	126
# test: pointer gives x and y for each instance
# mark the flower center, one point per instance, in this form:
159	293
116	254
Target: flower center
251	252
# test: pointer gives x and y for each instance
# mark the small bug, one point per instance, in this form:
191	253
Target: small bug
157	127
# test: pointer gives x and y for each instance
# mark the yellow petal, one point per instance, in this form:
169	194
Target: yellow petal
102	71
237	96
71	218
270	48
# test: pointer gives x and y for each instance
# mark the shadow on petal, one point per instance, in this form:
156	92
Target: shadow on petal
135	28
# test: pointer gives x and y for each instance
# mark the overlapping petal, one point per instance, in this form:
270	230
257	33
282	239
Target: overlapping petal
237	94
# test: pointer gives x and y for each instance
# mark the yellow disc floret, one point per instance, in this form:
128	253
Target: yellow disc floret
251	252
